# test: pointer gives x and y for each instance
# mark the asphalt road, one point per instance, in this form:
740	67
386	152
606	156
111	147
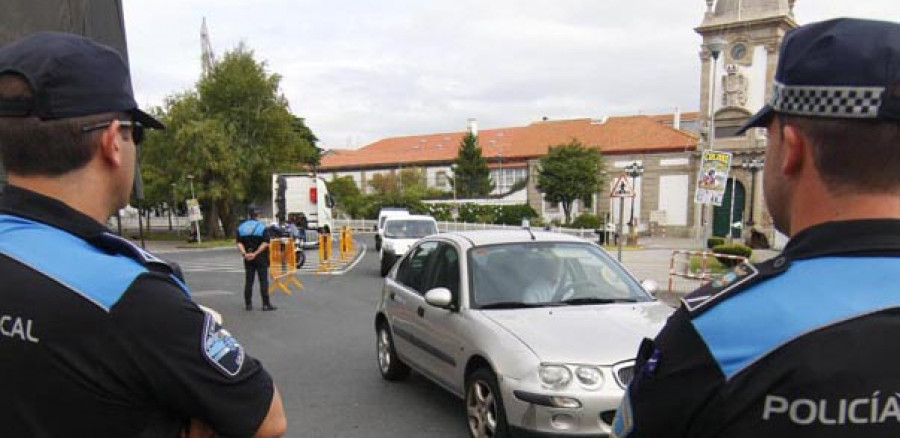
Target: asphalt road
320	348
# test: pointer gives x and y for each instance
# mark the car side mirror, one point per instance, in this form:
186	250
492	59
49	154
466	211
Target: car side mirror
439	297
651	286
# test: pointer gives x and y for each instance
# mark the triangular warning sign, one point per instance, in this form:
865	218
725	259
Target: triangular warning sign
622	188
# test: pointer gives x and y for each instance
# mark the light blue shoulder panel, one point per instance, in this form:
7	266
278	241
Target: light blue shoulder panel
70	261
251	228
811	295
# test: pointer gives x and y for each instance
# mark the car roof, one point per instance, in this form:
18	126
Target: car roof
511	235
409	217
388	211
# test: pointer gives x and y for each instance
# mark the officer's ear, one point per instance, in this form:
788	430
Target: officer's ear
110	148
796	151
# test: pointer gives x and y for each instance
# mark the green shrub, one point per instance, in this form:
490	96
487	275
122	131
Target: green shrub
737	249
587	220
714	241
477	213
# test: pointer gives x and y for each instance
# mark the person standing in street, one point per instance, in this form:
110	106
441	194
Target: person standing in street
253	243
104	341
802	345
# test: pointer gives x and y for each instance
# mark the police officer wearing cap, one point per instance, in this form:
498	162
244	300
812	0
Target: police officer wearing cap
253	242
103	341
805	344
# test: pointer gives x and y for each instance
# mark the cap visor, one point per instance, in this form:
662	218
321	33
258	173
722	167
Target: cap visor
146	119
759	120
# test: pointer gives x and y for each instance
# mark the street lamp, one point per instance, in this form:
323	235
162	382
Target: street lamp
753	166
715	45
171	206
634	170
500	172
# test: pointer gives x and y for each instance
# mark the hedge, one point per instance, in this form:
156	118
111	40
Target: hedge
737	249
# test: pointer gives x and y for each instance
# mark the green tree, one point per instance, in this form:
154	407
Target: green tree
230	134
569	172
347	197
471	176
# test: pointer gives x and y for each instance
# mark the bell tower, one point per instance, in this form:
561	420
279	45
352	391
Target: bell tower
738	56
748	33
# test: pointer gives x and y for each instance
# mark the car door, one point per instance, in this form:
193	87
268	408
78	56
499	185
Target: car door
405	301
441	329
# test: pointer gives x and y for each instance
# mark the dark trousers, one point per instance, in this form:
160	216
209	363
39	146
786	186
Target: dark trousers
261	271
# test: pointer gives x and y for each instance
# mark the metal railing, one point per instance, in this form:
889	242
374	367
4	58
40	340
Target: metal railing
363	225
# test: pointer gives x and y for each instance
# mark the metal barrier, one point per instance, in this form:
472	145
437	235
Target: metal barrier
325	253
680	267
283	264
346	243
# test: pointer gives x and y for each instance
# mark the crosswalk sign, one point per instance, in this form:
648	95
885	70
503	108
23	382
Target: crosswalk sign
622	188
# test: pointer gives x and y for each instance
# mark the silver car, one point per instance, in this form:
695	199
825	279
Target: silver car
536	332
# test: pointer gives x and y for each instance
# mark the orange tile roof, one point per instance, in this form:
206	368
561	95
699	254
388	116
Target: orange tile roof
617	135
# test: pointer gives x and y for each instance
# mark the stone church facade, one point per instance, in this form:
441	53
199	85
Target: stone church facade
734	85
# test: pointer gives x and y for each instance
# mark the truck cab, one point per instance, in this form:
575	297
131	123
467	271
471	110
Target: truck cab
306	195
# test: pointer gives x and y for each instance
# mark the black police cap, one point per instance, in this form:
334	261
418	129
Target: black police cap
843	68
72	76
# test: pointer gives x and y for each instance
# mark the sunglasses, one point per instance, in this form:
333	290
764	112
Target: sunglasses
137	130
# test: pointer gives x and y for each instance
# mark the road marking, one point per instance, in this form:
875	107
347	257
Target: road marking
209	293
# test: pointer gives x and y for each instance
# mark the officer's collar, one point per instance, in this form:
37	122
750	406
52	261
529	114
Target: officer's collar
35	206
859	237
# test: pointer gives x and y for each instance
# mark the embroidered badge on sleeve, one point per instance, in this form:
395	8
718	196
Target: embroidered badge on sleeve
221	349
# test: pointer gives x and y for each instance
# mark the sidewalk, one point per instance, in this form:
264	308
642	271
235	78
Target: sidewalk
653	260
165	246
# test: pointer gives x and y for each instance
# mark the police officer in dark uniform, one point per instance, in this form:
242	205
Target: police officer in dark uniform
253	242
99	338
805	344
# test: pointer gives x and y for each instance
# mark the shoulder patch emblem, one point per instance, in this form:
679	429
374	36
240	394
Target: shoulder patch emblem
221	349
719	286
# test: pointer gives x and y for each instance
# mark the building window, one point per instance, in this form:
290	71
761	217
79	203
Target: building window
441	180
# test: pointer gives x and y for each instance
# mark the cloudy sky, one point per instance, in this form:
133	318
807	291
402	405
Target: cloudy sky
359	70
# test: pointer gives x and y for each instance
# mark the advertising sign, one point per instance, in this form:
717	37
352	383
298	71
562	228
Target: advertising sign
713	177
194	214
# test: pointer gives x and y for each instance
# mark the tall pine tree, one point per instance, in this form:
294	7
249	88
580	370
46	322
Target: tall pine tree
471	176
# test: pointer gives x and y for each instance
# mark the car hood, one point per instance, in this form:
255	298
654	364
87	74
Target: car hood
400	246
596	334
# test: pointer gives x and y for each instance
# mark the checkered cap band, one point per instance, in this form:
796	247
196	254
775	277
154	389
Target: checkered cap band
822	101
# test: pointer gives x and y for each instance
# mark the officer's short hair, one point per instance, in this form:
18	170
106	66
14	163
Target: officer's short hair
853	155
31	146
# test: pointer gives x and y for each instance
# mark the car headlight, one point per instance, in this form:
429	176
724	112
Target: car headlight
589	377
388	245
555	376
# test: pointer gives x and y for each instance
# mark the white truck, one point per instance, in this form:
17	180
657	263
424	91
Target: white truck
303	194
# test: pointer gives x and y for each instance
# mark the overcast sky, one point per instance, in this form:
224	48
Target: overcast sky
359	71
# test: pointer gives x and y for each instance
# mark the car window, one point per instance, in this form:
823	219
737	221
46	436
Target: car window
412	271
551	273
446	269
409	229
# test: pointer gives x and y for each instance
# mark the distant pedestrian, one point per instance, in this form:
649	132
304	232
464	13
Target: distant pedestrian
253	243
805	344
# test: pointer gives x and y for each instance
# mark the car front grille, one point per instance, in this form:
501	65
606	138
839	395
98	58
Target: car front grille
624	374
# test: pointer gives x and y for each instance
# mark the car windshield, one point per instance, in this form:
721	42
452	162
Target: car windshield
409	228
534	274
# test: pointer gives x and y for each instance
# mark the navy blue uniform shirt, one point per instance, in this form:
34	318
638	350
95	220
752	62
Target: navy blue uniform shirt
803	345
99	338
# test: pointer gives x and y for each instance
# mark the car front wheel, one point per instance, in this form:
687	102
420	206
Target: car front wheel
484	406
391	367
